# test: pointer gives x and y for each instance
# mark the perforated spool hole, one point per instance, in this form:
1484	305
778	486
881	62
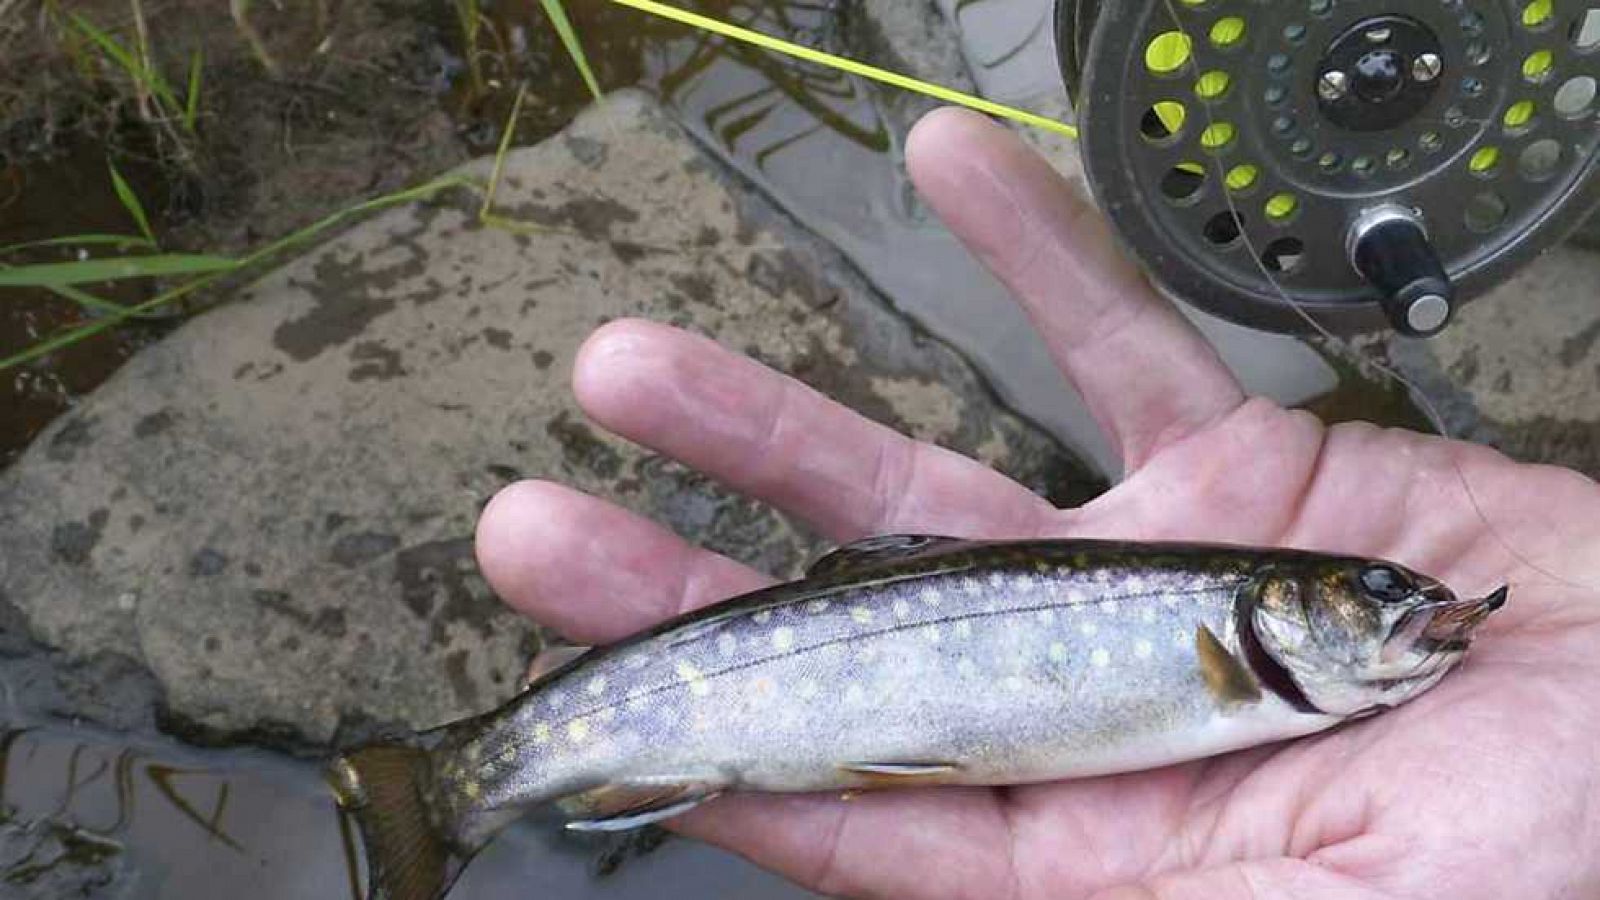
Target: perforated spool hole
1228	32
1518	115
1280	208
1536	67
1539	160
1284	256
1167	52
1575	97
1242	178
1218	136
1485	212
1485	162
1224	228
1163	121
1184	182
1586	31
1212	85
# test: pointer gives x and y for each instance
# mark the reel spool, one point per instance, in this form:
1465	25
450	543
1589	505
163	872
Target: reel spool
1386	160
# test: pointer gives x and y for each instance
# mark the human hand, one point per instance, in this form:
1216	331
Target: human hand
1486	787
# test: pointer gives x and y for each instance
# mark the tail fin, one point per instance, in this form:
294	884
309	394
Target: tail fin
382	787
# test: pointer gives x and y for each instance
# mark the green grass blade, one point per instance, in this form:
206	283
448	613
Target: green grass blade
130	202
109	45
88	301
83	240
89	271
83	332
569	38
191	100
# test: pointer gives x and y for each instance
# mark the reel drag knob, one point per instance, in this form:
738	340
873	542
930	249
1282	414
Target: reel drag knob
1390	248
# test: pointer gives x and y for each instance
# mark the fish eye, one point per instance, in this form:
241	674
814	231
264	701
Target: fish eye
1385	584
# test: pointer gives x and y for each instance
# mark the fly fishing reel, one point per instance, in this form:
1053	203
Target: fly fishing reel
1376	162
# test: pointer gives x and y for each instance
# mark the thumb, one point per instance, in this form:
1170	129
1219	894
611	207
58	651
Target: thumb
1266	879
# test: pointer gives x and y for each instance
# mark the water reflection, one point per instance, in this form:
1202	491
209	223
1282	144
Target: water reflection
94	815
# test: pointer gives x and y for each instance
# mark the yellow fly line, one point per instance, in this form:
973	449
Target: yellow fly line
768	42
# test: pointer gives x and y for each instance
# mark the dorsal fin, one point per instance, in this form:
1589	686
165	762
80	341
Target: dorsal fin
877	551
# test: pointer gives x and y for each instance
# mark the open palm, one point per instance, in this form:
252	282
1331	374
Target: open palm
1489	786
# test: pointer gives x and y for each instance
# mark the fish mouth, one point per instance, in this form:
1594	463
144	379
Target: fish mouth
1451	623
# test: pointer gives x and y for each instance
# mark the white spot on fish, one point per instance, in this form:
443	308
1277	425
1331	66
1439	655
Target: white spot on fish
638	660
783	639
1089	629
967	667
970	586
1058	652
762	687
1100	658
541	733
931	596
963	629
606	714
556	699
1148	615
817	606
578	730
933	634
902	609
861	615
694	678
997	580
1135	584
1171	600
854	694
1143	650
1046	616
596	686
807	689
1109	607
635	703
762	617
1014	683
727	644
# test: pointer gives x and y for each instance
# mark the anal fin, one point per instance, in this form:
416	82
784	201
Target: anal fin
902	773
622	807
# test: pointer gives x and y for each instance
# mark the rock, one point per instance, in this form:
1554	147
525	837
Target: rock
1523	363
272	509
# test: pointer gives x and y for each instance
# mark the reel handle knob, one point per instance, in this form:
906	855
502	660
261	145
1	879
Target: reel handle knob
1390	248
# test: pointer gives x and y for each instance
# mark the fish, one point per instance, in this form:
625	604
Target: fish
916	661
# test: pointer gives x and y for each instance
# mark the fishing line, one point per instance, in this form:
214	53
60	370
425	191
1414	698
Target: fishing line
1342	346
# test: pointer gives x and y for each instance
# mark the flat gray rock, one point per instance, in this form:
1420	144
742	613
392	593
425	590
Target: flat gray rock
271	511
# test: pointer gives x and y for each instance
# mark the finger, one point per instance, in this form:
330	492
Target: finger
892	845
1147	375
592	570
1250	880
769	436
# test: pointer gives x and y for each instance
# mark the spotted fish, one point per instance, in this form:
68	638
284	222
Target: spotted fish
915	660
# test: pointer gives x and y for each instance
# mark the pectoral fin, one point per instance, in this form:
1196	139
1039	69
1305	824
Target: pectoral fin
1226	677
622	807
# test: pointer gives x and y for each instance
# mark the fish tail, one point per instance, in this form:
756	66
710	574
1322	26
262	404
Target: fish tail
382	787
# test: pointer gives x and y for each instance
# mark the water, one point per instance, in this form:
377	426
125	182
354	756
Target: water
91	814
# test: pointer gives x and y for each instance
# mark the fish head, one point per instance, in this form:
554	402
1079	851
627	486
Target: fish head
1360	636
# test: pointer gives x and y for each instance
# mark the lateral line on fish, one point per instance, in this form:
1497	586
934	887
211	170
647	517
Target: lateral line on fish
895	628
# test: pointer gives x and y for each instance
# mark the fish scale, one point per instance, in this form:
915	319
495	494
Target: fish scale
915	661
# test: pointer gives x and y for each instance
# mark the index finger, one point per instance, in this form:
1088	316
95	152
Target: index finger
1147	375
